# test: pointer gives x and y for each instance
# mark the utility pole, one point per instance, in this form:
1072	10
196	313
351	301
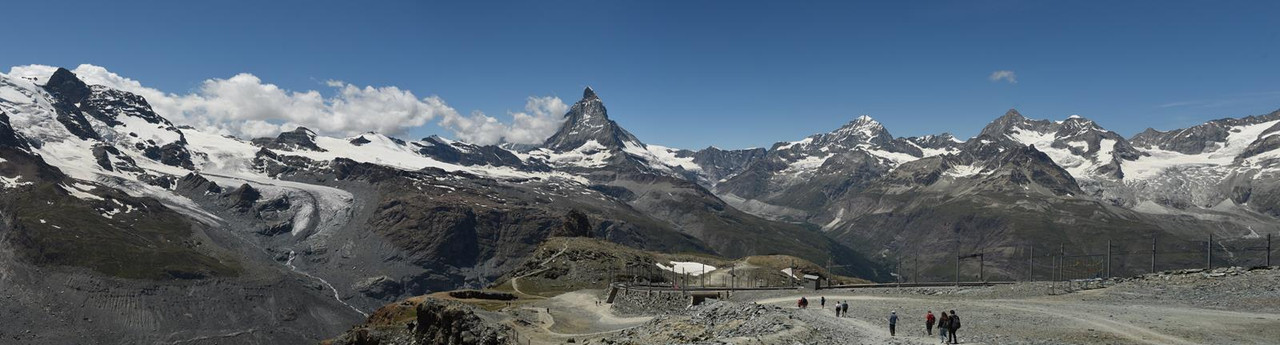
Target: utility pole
1268	250
733	277
981	267
1208	253
957	269
1153	253
1108	270
917	265
1062	261
1031	258
898	270
829	274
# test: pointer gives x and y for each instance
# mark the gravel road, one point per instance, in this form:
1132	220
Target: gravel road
1226	306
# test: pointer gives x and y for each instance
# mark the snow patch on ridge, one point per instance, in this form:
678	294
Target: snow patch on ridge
687	267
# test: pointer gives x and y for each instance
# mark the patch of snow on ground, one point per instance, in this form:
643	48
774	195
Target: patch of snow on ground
963	171
897	158
801	142
664	155
836	221
687	267
82	194
1081	145
10	182
590	155
806	164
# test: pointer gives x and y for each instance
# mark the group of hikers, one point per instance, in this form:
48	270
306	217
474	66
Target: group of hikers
842	308
947	326
947	322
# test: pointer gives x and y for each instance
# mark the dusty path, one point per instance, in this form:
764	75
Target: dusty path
515	282
1139	324
576	315
872	333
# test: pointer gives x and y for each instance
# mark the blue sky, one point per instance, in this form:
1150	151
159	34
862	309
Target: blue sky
692	74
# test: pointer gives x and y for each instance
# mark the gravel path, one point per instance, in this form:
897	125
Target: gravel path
1167	308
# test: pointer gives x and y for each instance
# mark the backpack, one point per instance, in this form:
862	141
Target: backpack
955	322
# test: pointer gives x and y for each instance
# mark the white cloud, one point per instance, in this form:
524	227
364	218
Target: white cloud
541	118
1005	75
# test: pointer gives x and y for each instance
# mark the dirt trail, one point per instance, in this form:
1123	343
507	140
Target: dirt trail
515	282
873	333
576	315
1124	329
1119	320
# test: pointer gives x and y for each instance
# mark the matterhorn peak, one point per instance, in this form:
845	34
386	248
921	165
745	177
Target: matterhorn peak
586	121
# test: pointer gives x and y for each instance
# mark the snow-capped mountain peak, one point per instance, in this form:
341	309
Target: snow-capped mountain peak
587	121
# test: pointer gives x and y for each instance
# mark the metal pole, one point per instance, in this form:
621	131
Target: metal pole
917	265
981	276
1062	261
898	269
1108	270
1031	257
1153	254
1208	253
957	268
1268	250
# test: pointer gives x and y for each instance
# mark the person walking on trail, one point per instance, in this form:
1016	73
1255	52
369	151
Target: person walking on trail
944	324
802	303
955	325
823	302
844	308
893	323
837	307
928	322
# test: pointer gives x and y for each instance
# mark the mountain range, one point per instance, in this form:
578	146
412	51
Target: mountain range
126	213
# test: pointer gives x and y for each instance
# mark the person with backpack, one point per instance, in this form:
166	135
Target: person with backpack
823	302
928	322
844	308
893	323
944	324
955	325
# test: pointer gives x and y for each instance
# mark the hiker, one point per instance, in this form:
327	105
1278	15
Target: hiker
823	302
944	324
893	323
803	303
954	325
837	307
844	308
928	322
